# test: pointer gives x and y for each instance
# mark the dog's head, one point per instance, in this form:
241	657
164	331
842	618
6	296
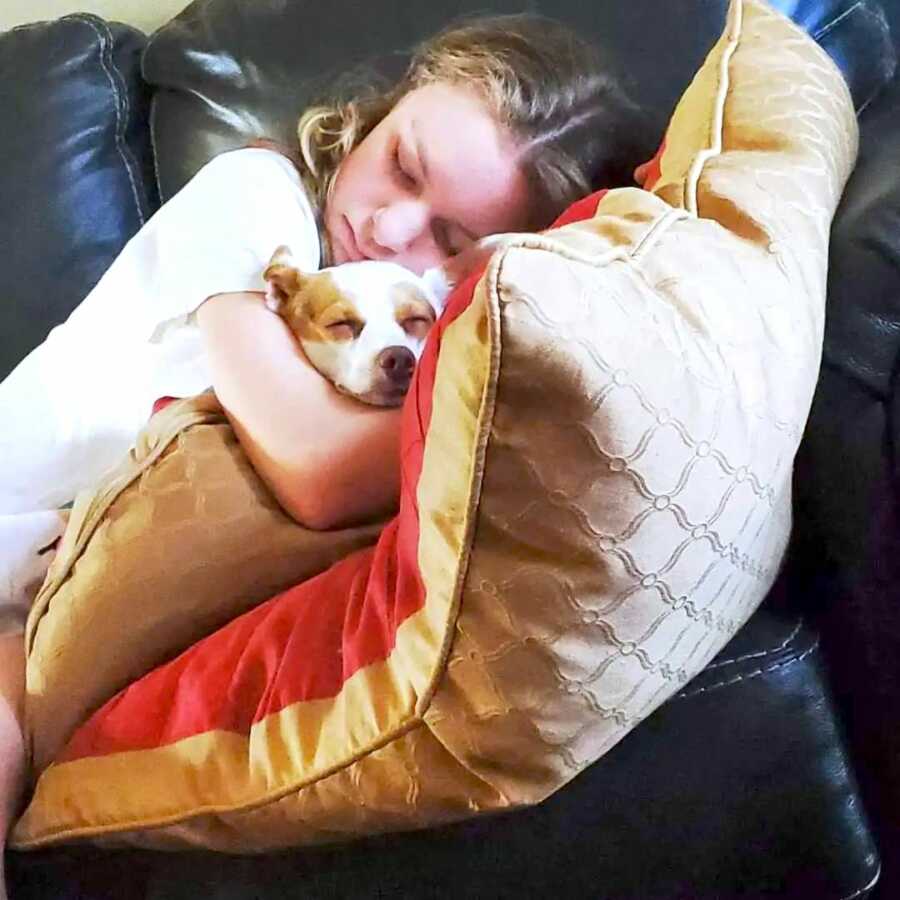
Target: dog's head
362	325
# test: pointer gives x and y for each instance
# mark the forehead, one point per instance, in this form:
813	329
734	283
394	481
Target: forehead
372	288
473	176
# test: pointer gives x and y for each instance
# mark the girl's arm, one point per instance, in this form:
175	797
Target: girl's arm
330	460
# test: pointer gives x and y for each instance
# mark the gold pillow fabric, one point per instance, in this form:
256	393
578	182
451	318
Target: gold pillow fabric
597	458
176	542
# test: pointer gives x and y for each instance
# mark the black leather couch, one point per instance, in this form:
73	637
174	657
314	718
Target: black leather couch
775	773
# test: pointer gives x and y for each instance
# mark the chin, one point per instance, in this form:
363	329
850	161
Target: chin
376	397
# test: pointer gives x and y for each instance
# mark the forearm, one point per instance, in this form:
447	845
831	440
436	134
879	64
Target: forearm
330	460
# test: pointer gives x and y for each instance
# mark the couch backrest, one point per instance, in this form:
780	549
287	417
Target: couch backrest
76	172
232	71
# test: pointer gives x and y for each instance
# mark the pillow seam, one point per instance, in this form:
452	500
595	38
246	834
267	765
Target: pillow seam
735	34
55	834
487	408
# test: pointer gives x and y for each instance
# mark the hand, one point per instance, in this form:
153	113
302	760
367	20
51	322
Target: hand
473	257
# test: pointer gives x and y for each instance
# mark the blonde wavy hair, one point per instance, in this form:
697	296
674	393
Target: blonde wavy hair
574	124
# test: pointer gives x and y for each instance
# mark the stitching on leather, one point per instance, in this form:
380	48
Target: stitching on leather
873	12
760	653
867	888
159	190
121	105
711	687
137	184
825	29
152	117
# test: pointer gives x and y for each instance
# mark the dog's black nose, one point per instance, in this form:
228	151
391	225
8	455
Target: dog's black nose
397	363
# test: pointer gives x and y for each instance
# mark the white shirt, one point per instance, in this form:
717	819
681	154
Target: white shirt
216	235
74	405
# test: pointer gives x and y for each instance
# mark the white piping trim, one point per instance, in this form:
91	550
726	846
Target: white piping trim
733	28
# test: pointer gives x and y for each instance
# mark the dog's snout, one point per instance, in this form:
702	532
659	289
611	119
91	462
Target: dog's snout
397	363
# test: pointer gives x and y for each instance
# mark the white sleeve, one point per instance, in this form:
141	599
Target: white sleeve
219	232
72	407
214	236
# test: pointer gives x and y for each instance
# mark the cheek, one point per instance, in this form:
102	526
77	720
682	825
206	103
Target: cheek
342	196
357	179
330	358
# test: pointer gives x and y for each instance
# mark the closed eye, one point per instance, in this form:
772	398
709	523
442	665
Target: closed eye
441	230
400	173
345	330
417	326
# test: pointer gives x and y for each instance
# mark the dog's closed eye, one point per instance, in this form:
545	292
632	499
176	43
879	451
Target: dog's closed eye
412	311
417	326
345	329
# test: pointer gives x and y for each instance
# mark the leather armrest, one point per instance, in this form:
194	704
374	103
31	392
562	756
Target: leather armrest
76	174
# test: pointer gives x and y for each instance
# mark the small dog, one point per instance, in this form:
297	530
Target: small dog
362	324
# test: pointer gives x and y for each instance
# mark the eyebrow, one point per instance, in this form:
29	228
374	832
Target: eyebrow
423	165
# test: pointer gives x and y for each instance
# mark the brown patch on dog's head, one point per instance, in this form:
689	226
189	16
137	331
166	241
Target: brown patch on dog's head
311	304
313	307
412	310
331	316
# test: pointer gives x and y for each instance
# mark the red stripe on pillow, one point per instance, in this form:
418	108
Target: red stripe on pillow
302	644
293	647
162	403
585	208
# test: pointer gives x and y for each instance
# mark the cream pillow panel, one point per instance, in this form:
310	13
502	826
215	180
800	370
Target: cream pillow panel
657	370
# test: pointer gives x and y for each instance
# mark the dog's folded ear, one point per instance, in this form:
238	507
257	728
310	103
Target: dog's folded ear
283	278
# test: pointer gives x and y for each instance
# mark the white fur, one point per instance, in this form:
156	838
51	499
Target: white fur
351	364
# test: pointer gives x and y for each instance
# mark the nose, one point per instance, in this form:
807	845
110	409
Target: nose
396	225
397	363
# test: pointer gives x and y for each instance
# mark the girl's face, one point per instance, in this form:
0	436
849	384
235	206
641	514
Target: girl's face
435	175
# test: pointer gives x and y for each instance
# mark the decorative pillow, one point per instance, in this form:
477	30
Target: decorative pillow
597	489
179	540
